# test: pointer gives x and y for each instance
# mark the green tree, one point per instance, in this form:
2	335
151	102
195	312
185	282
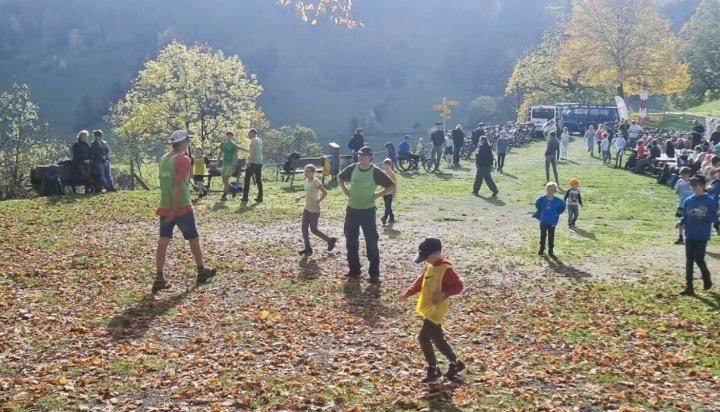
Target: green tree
277	143
624	44
701	52
193	88
536	80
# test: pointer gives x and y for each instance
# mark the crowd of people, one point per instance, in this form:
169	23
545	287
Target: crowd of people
363	182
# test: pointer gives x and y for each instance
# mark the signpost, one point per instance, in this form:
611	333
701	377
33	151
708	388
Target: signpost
444	109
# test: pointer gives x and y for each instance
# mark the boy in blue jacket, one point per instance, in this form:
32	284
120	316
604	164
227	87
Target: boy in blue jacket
699	212
548	209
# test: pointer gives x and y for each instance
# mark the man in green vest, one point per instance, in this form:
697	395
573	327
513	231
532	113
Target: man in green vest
363	178
254	169
176	209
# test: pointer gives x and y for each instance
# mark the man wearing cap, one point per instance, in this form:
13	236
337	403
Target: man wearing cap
438	141
100	154
176	209
359	181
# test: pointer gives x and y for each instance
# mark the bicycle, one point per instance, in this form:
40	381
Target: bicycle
407	164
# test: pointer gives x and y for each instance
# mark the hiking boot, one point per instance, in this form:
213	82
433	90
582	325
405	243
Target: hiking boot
305	252
352	275
541	252
392	219
244	200
331	244
679	241
454	369
551	254
258	199
375	280
687	292
433	374
224	197
383	220
707	283
204	274
495	193
159	285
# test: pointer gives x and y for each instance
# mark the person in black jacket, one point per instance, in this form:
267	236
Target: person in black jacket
484	162
437	138
476	135
100	155
356	143
698	133
81	161
458	137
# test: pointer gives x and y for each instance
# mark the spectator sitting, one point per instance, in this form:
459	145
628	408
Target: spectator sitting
404	151
644	162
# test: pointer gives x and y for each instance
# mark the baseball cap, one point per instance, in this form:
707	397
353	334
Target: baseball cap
365	150
427	247
178	136
698	180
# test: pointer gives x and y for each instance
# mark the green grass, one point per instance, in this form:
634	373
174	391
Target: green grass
711	108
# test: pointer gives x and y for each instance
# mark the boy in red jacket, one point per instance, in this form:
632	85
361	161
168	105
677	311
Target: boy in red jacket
435	285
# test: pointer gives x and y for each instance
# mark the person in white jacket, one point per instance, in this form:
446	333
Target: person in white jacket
564	143
619	144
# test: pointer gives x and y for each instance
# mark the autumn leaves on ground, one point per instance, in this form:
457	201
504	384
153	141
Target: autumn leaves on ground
602	328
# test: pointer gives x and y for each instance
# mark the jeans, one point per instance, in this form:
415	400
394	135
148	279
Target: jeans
356	219
695	254
254	170
573	213
484	173
547	231
500	161
388	199
310	220
436	155
550	160
606	156
618	159
104	177
432	334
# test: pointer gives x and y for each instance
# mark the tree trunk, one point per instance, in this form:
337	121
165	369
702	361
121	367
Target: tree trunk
132	173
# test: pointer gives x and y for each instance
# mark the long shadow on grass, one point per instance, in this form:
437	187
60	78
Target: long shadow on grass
391	232
492	200
561	268
508	175
584	233
309	269
365	304
713	255
246	207
713	303
136	320
440	397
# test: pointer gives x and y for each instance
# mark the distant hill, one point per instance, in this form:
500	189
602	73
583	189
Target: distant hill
80	55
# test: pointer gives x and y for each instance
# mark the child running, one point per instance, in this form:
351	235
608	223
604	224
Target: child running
548	211
388	168
314	194
435	286
698	216
683	190
573	199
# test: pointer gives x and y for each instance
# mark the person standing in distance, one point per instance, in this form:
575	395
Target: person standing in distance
359	182
254	169
437	138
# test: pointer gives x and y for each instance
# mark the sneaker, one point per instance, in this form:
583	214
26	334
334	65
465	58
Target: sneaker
352	275
205	274
495	193
159	285
454	369
475	193
541	252
433	374
551	254
383	220
687	292
679	242
375	280
707	283
259	199
224	197
392	219
244	200
305	252
331	244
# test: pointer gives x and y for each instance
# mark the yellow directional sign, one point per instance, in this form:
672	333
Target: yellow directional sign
439	107
452	102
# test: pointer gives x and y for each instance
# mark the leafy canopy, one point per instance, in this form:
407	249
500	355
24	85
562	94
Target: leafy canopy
622	43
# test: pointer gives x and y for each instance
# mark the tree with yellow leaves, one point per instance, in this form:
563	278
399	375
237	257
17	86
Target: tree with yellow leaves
622	43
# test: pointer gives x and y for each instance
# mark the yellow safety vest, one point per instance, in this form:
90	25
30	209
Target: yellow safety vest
431	283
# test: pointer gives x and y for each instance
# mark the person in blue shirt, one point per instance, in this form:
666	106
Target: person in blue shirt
405	152
548	209
699	213
502	146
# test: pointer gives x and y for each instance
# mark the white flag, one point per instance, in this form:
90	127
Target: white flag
622	108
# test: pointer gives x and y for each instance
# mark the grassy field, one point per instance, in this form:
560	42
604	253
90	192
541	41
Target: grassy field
707	109
599	328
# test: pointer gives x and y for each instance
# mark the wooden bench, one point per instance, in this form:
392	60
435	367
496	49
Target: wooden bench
298	166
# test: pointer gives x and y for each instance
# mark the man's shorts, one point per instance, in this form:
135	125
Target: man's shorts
186	224
227	170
